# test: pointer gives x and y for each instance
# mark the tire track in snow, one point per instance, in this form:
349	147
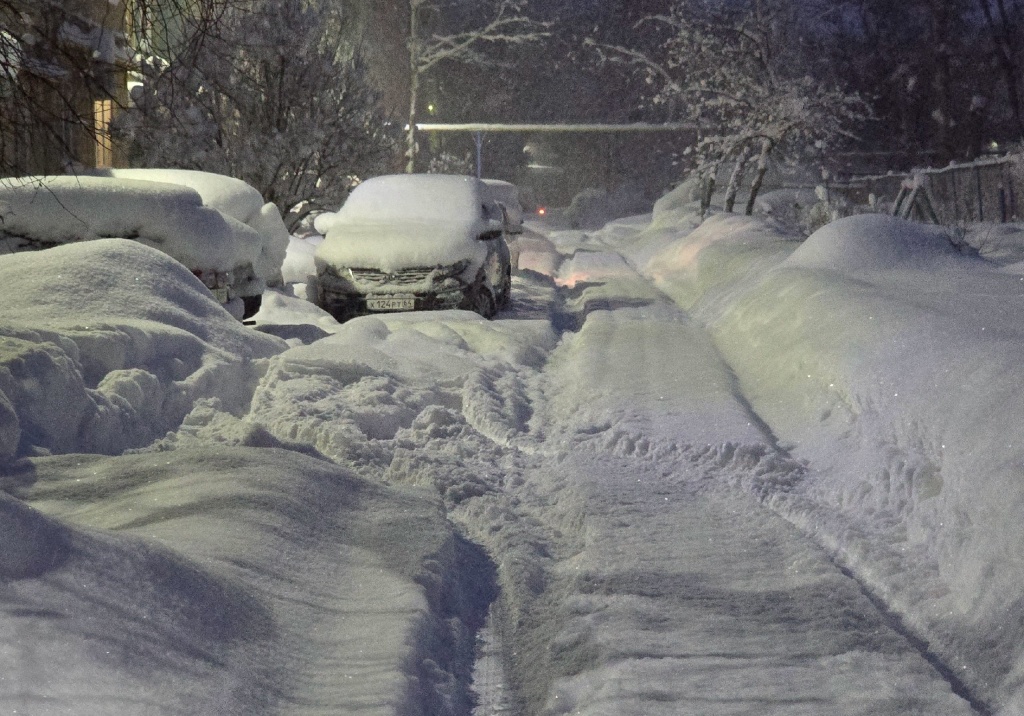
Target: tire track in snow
570	320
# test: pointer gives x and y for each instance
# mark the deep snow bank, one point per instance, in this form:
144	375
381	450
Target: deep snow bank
207	571
231	580
106	345
890	362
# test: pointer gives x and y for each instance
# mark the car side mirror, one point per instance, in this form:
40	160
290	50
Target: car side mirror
495	229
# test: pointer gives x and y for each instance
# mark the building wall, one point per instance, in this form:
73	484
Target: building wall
70	84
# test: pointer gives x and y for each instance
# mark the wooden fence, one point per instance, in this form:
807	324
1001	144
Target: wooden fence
984	190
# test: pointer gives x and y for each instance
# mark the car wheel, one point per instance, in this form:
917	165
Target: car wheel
482	301
505	290
252	305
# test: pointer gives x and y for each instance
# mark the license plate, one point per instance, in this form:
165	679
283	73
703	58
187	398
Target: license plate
391	304
221	294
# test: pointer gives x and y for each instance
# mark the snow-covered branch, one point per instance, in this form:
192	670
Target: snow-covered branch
731	73
507	24
637	58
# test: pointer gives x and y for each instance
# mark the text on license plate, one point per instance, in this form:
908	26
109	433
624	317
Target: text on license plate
391	304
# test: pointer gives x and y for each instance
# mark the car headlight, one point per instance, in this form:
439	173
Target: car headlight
451	271
336	278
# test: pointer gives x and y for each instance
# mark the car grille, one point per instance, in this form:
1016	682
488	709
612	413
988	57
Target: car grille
403	277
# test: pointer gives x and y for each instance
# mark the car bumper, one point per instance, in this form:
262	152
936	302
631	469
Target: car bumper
344	305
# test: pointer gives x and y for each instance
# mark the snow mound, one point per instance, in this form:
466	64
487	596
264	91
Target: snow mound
187	579
877	242
298	264
715	256
682	253
105	345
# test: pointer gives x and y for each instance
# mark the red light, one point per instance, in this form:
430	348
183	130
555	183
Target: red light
542	211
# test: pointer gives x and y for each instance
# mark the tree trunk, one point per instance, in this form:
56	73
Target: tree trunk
707	190
411	140
735	178
762	169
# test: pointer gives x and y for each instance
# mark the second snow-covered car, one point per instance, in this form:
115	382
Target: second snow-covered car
234	258
412	242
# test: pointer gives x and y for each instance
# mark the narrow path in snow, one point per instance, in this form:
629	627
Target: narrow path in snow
489	682
671	589
690	599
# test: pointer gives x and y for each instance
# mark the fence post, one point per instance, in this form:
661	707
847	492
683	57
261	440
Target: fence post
1011	200
956	197
981	205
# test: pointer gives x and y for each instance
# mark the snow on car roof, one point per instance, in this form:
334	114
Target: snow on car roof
231	197
425	197
227	195
401	245
405	221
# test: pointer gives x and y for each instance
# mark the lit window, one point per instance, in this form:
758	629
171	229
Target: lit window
103	115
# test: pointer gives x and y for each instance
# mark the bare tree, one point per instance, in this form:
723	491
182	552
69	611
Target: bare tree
277	98
731	70
506	23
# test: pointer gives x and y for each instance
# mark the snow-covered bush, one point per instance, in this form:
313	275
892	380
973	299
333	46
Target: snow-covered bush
803	207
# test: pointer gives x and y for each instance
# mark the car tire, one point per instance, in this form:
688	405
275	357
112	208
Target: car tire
505	290
482	301
252	305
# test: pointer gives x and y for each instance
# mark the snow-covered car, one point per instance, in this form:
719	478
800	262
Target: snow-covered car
235	199
224	233
412	242
507	194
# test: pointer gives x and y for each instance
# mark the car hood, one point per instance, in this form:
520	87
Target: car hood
391	247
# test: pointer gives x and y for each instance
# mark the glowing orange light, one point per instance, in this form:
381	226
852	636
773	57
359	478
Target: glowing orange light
542	211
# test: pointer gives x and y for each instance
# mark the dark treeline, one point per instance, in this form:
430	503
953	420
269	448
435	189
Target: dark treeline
942	78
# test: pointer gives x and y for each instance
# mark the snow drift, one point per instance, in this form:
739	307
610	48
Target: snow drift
888	359
108	344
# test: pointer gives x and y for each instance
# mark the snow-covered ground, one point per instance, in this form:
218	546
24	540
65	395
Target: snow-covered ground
694	469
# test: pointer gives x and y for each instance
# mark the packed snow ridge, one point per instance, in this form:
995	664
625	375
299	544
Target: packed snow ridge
696	468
